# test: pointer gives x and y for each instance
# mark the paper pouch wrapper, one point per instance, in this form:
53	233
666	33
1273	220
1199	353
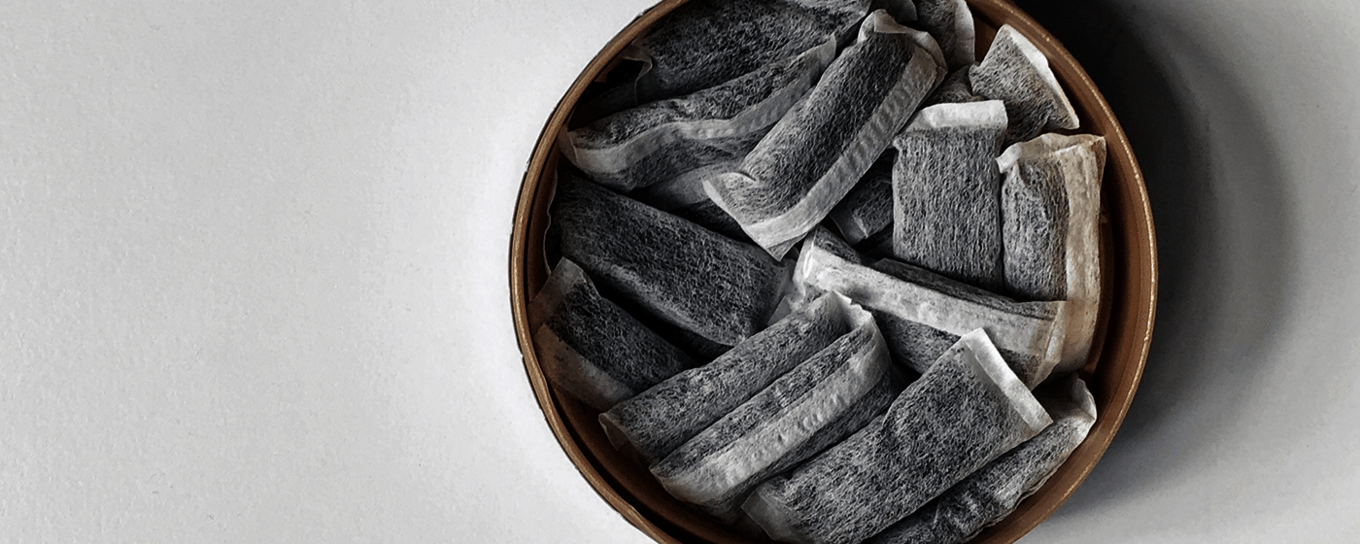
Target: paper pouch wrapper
994	491
825	398
967	410
922	314
593	349
657	421
661	141
816	153
1050	203
678	271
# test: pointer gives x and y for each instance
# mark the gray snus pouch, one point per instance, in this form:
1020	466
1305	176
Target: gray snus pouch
1050	207
680	272
823	399
867	209
661	141
947	192
815	154
1017	73
657	421
707	42
950	22
966	411
922	314
590	347
995	490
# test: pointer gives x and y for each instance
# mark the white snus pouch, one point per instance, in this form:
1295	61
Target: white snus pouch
661	141
823	399
966	411
660	419
680	272
1017	73
706	42
946	192
815	154
922	314
1050	208
590	347
994	491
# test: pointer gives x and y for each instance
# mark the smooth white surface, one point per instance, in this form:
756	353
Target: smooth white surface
253	271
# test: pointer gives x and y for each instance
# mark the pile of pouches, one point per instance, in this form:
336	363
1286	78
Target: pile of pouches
825	275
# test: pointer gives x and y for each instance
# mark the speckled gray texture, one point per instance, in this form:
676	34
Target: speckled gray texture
947	192
921	313
701	349
684	196
660	419
1016	73
590	347
816	153
662	140
994	491
828	396
1050	214
706	42
1036	231
867	208
682	273
913	342
961	414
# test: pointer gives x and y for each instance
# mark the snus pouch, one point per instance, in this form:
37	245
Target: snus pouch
660	419
1050	202
946	192
922	314
950	22
967	410
664	140
1017	73
590	347
994	491
815	154
678	271
823	399
707	42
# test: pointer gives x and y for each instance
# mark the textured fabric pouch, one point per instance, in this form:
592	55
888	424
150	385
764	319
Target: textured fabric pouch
590	347
815	154
967	410
1050	209
994	491
660	419
823	399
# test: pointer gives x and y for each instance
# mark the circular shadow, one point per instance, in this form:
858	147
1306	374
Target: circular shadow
1222	217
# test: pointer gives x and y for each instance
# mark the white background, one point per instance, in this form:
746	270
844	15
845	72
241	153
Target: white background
253	271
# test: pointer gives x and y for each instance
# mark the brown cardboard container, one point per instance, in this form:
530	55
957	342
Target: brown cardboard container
1123	333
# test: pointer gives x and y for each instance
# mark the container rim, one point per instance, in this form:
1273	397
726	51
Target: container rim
1131	270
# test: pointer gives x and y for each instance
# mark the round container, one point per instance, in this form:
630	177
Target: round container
1119	350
